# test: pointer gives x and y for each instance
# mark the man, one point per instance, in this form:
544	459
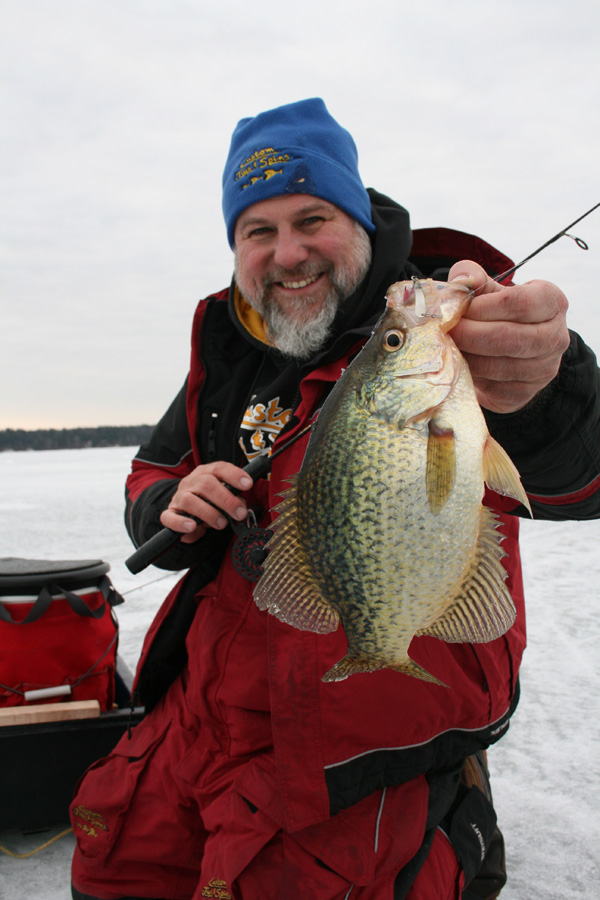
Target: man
249	777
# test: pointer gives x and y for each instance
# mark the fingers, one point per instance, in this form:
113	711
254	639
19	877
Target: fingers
506	397
534	301
205	495
530	303
473	275
506	385
191	531
512	338
511	362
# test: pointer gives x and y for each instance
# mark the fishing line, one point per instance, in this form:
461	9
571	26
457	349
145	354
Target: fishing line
148	583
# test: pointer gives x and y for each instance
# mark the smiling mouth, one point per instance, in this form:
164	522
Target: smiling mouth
295	285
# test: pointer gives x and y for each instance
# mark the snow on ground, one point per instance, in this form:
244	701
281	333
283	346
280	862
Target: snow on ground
67	504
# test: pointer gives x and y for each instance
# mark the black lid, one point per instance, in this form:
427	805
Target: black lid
21	576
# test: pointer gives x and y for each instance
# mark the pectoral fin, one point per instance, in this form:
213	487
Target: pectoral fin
483	609
286	588
500	473
440	473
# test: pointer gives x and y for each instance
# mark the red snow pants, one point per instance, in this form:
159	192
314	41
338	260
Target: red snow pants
161	817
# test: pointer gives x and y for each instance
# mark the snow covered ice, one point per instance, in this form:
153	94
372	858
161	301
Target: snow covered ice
68	504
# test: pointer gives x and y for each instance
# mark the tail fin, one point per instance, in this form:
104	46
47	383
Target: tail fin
356	663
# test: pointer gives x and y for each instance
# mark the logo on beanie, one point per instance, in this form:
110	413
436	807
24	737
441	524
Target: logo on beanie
261	166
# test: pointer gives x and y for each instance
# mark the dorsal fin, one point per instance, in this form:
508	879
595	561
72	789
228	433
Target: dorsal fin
500	473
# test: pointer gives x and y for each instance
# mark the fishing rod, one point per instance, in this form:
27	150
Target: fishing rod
580	243
249	536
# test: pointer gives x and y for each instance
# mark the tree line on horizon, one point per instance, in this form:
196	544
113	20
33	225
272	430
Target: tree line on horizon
74	438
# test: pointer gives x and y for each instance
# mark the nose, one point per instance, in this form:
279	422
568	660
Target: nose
290	249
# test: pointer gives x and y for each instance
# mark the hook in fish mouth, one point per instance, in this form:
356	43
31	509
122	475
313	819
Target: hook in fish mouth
421	302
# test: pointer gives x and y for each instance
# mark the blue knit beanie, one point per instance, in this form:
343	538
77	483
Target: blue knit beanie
294	149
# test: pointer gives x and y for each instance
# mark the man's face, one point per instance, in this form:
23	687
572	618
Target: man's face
297	258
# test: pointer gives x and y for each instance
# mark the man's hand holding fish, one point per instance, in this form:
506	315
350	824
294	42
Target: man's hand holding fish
513	338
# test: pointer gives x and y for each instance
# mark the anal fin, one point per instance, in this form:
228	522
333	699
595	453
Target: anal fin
484	609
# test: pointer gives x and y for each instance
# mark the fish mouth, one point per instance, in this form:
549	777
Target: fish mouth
423	299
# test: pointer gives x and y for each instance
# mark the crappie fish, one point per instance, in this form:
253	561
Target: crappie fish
383	528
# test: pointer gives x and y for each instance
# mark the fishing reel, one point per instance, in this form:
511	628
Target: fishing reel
249	549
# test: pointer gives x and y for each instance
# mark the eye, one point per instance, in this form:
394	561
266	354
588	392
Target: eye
310	223
258	233
392	340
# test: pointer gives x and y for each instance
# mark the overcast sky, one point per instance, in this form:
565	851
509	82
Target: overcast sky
115	123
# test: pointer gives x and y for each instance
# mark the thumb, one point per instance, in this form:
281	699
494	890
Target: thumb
474	276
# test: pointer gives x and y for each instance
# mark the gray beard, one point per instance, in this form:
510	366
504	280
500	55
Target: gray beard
302	339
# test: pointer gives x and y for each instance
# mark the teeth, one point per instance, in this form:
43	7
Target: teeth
299	284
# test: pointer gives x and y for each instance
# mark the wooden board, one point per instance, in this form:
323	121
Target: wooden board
49	712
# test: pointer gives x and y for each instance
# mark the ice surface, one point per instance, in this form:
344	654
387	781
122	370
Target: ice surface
545	772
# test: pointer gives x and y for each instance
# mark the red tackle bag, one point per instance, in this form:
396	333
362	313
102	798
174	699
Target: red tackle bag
58	632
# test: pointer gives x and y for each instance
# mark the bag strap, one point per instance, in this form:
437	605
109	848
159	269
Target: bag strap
77	603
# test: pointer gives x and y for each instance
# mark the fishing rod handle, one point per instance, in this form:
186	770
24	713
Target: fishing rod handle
158	544
166	538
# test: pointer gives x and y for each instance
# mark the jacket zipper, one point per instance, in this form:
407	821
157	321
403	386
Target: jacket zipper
212	437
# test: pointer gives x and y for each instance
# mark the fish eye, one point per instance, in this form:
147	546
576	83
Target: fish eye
393	340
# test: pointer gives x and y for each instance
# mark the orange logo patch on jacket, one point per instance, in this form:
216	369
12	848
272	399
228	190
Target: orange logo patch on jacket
262	422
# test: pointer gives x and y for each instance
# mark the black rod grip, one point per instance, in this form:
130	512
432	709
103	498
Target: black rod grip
166	538
158	544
